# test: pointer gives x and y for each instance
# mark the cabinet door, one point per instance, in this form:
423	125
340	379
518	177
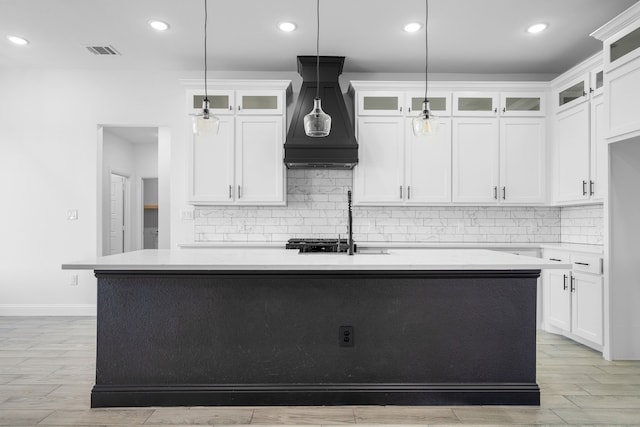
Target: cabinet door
597	82
475	160
522	160
522	104
587	301
221	102
559	299
623	87
571	139
599	146
260	167
439	103
260	102
212	165
428	164
379	103
475	104
378	175
573	93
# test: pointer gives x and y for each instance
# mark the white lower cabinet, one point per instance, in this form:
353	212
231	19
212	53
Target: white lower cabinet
573	299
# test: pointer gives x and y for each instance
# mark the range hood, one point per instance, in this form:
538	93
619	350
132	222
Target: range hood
338	150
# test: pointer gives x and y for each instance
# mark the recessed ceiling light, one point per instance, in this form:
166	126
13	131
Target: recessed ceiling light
537	28
159	25
287	27
18	40
412	27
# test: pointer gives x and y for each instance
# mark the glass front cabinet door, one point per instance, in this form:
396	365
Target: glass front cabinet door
260	102
220	102
573	93
475	104
522	104
380	103
439	103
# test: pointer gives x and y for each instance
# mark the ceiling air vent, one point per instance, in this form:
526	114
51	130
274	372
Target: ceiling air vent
103	50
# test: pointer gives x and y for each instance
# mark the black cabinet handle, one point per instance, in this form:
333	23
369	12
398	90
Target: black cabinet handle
582	263
408	192
401	191
564	282
591	184
504	193
555	259
584	188
495	192
573	284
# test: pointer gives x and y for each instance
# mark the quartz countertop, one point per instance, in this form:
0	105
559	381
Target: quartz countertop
291	260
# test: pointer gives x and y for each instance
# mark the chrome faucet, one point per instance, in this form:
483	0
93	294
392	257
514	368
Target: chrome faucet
350	223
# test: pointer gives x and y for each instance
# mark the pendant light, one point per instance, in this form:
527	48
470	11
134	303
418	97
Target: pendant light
317	123
425	123
203	122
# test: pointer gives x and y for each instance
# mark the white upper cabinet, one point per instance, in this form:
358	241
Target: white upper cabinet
259	154
571	139
598	179
378	177
211	171
428	165
243	163
481	104
475	160
522	160
379	103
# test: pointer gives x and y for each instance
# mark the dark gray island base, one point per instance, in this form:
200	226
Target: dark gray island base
199	338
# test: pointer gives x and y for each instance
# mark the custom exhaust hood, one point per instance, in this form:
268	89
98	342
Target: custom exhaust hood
338	150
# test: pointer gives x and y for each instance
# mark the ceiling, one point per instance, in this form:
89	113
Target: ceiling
134	134
465	36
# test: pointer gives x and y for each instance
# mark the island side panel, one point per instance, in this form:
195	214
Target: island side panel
250	330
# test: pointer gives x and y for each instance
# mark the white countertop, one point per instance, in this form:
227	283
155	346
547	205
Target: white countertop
291	260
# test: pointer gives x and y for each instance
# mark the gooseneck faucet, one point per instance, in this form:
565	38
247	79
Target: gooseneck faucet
350	223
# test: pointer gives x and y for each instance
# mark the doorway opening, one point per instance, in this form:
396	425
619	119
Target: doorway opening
133	195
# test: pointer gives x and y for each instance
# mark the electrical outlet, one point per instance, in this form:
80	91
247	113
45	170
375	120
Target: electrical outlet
346	336
72	214
73	280
186	214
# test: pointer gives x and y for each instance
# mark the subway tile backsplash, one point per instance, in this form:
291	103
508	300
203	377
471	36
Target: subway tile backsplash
317	207
582	224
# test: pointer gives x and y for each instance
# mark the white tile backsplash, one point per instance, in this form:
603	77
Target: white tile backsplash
317	207
582	224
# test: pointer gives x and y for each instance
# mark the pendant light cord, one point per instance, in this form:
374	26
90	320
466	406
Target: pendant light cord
426	48
206	15
317	49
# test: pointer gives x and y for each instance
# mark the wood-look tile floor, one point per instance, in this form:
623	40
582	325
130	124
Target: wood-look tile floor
47	369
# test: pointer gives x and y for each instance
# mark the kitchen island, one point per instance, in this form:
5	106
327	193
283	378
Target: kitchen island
274	327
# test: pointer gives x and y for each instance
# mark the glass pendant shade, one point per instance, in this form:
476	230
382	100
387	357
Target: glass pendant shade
204	123
425	123
317	123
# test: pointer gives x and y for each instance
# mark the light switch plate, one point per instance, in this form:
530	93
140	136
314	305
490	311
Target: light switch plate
187	214
72	214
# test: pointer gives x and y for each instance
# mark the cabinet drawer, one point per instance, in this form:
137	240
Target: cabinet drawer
587	263
556	256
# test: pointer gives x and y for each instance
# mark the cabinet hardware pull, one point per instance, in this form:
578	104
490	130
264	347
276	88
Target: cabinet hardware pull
591	90
408	192
591	184
401	109
230	107
573	284
564	282
239	108
555	259
230	190
584	188
401	191
582	263
495	192
504	109
504	193
495	110
239	193
409	109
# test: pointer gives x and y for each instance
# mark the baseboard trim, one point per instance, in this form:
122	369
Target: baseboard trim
47	309
104	396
